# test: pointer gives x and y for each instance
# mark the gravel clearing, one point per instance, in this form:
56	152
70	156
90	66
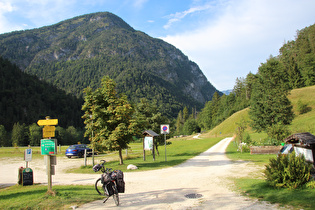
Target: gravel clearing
202	182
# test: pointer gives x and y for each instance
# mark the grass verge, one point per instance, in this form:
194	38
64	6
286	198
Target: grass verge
177	152
257	187
36	197
301	198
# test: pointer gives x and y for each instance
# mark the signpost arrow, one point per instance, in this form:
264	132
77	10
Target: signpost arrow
47	122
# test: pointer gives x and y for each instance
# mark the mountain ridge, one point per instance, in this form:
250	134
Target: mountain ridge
78	52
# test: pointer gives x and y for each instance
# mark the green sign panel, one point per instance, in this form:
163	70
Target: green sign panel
48	146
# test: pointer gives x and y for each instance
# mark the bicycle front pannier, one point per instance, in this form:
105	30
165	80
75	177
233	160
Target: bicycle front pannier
120	181
97	167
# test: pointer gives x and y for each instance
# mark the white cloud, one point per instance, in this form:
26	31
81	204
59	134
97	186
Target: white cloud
242	36
178	16
5	7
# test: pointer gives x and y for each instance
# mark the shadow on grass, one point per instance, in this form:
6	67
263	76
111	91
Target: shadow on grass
13	194
159	164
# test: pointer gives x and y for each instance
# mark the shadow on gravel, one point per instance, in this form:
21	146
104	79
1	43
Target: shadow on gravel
144	199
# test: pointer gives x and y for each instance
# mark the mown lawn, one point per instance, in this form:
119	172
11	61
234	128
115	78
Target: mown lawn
177	152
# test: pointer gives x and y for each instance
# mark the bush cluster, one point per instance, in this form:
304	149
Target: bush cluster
288	171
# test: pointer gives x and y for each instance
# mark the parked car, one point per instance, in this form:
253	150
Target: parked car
286	149
78	150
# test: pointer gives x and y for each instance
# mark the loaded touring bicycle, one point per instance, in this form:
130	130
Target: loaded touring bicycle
110	183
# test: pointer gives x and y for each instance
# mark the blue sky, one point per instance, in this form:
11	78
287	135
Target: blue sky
226	38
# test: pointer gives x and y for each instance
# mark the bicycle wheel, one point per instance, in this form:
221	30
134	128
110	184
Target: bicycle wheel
99	187
115	196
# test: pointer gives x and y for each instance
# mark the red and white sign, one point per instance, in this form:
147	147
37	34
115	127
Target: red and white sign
165	129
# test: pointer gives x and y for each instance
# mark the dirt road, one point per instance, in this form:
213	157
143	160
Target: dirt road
202	182
206	177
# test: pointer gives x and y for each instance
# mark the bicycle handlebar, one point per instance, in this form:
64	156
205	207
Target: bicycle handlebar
103	162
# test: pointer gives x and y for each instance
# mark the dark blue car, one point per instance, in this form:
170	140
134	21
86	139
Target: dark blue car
78	150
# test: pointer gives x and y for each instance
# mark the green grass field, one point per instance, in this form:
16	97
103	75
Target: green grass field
177	152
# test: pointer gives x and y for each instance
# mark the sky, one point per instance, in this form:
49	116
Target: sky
227	39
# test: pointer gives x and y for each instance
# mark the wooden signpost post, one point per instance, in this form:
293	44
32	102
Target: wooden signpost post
49	146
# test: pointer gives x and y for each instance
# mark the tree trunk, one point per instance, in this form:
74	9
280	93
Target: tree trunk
121	161
156	149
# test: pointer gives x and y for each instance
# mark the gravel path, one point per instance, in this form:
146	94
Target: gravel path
206	177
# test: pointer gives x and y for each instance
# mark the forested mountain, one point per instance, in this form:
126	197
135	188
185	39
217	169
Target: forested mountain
25	99
78	52
298	57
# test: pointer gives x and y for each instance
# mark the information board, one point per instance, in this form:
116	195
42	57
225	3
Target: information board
27	177
48	146
148	143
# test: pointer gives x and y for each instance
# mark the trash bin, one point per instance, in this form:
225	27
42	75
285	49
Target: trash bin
20	175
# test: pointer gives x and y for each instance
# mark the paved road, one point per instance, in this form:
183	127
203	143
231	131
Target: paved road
206	175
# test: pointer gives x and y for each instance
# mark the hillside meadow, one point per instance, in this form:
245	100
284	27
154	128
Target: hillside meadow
255	186
301	123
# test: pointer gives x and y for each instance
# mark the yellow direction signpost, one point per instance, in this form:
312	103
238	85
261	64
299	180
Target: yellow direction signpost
49	128
47	122
48	146
49	131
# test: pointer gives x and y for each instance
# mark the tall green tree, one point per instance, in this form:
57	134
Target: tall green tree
191	126
148	117
3	137
205	116
269	102
35	134
185	113
19	135
109	116
179	122
215	107
288	57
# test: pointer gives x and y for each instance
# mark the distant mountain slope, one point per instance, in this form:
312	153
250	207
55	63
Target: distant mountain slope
78	52
25	99
301	122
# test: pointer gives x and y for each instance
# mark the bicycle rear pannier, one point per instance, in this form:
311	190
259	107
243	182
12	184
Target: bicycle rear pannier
109	189
120	181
